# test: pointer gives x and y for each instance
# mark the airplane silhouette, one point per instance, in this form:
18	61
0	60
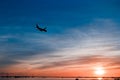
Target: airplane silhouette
41	29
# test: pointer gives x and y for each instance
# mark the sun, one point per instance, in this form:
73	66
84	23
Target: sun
99	71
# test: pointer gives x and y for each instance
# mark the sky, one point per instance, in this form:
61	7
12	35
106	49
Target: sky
82	35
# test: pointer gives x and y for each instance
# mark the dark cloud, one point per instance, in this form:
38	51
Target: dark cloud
107	62
7	62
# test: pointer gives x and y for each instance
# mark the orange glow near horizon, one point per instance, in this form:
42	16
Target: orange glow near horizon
98	72
88	70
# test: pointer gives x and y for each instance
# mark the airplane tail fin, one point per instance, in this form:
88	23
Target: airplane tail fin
37	25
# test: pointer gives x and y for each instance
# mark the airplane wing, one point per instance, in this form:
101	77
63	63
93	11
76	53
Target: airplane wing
45	28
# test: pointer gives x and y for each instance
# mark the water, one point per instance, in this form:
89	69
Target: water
55	79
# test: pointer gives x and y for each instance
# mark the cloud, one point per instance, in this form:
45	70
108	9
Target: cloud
97	39
85	62
76	46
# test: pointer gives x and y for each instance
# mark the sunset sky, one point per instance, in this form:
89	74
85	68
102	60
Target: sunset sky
83	36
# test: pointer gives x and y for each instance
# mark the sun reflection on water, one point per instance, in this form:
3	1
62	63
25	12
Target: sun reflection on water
99	78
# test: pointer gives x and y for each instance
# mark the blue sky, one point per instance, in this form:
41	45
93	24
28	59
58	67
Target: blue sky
77	30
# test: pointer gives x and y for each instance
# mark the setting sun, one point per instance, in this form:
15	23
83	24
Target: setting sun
99	71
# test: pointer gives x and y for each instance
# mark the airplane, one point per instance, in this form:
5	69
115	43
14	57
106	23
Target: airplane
41	29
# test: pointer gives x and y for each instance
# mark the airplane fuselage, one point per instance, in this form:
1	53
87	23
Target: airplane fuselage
41	29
